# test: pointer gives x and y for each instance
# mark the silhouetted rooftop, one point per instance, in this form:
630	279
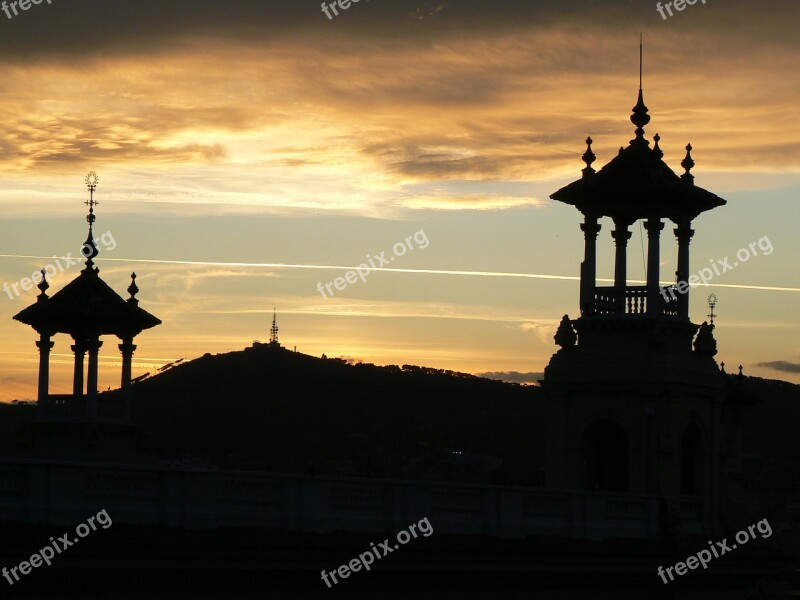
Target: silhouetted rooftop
637	183
87	304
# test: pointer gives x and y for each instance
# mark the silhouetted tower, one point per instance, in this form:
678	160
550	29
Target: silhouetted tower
636	405
273	331
85	309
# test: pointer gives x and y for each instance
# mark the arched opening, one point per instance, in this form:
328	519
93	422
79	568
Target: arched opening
692	461
605	457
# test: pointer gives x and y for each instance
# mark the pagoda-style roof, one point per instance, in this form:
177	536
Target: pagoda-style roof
638	184
87	305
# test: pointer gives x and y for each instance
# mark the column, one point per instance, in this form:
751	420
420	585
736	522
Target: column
45	345
590	228
654	227
621	236
684	233
79	349
127	347
93	346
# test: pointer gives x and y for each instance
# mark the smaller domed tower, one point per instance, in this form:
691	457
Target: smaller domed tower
86	309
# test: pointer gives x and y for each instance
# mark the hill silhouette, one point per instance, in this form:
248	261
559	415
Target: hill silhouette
269	408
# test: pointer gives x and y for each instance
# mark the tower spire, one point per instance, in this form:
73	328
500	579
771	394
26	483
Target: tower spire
712	304
640	60
640	118
89	249
273	331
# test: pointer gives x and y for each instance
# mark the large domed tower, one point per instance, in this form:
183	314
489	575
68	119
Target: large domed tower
635	395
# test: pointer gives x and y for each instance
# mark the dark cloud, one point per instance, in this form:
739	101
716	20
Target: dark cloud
513	376
89	28
781	365
437	90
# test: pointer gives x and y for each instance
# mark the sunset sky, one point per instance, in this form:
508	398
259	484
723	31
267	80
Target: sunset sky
249	150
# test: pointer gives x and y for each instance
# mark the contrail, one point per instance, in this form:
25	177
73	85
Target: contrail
313	267
396	270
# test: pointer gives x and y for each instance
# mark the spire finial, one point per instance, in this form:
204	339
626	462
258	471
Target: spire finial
89	249
687	163
588	158
133	289
712	304
91	183
273	331
43	285
640	118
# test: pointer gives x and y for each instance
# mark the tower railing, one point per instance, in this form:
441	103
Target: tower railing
632	300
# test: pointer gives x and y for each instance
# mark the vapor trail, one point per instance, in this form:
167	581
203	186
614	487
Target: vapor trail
396	270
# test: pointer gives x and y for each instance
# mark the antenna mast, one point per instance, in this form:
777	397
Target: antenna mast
273	332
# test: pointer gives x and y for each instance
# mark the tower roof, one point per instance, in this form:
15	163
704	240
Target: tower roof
87	305
637	183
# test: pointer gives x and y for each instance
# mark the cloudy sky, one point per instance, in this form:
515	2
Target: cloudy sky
249	152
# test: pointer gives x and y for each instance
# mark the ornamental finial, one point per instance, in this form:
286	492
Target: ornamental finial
704	343
565	334
687	163
657	149
90	249
133	289
91	183
588	157
640	118
43	286
712	304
